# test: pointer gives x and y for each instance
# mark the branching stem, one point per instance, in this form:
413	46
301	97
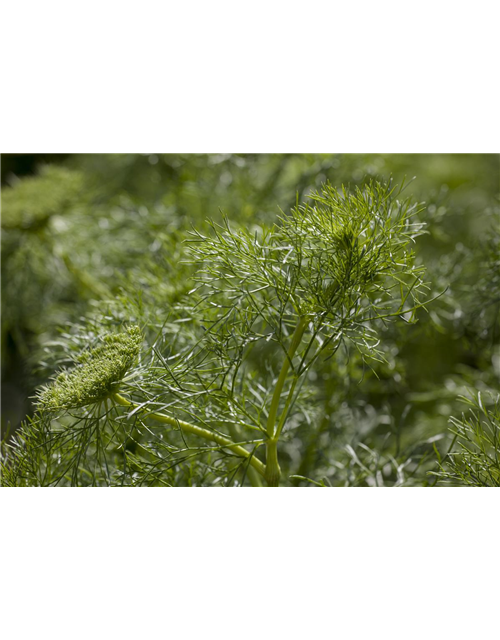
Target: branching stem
187	427
273	412
273	471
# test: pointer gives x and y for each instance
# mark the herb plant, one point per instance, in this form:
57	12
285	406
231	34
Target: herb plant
475	460
177	396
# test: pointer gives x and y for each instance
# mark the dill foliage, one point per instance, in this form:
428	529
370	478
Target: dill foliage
340	261
475	460
198	409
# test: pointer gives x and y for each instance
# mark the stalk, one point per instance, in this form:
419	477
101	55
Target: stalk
187	427
273	471
273	411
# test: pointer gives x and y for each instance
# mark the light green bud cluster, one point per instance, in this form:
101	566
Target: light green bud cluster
33	200
97	376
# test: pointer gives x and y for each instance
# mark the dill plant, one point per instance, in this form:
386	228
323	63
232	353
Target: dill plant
32	201
38	264
475	459
190	404
63	239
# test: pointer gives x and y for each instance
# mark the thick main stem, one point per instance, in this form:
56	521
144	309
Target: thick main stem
273	411
273	471
198	431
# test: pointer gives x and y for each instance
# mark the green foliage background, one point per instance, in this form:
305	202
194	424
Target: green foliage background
91	241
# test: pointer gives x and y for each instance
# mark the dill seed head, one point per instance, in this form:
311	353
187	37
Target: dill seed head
34	200
97	376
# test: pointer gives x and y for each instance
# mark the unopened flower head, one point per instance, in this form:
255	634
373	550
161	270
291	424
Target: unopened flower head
97	376
34	200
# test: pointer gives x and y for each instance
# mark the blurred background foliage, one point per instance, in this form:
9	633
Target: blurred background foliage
86	237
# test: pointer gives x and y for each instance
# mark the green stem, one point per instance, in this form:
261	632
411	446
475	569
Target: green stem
198	431
273	471
273	411
288	402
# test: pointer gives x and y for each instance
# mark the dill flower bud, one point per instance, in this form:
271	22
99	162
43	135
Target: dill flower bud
32	201
97	376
